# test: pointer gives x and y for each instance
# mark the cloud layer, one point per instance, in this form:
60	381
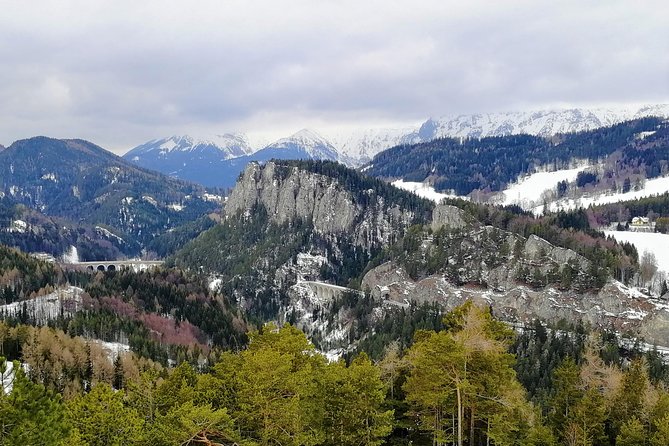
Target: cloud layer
118	73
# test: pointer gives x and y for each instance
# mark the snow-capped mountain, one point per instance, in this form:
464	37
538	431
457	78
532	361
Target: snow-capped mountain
198	160
540	123
360	145
219	165
212	161
305	144
228	145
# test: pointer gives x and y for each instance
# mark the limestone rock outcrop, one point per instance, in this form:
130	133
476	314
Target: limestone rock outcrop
445	215
289	193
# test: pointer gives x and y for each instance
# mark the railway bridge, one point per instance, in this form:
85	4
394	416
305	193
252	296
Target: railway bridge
325	290
115	265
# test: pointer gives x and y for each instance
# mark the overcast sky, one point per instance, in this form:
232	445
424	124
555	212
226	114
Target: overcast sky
122	72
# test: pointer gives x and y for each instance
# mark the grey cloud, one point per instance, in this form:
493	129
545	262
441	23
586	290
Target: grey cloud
117	73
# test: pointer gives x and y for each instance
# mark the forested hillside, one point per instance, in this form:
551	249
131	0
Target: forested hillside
461	383
31	231
83	183
489	164
162	315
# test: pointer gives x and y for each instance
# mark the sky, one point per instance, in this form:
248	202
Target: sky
120	73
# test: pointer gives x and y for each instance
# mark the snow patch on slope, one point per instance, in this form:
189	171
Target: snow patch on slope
113	349
424	190
652	242
527	191
71	256
656	186
42	309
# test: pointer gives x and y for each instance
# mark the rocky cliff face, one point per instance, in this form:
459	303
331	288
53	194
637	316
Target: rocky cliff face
487	267
289	193
614	307
450	259
450	217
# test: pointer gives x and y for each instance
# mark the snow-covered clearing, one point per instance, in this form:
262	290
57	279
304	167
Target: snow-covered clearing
656	243
423	190
42	309
114	349
527	190
656	186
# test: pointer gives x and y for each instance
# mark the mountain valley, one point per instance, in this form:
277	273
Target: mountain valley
349	266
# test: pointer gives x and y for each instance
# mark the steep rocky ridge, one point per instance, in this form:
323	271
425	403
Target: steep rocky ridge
288	193
614	307
285	211
498	283
287	222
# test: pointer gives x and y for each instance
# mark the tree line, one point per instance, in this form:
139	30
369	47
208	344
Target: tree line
457	385
465	165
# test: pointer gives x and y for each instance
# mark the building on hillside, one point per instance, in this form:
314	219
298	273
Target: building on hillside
641	224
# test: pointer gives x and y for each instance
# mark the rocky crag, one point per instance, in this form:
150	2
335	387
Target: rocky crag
498	283
443	255
289	193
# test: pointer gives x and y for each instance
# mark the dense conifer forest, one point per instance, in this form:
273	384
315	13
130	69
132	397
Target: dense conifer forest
468	381
489	164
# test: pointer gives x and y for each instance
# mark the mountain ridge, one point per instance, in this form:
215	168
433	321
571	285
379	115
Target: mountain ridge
221	165
84	183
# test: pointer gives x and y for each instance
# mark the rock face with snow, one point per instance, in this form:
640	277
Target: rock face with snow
537	248
613	307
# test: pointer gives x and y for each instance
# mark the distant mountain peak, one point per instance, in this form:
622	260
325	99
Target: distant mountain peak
534	122
314	145
306	136
229	145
